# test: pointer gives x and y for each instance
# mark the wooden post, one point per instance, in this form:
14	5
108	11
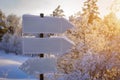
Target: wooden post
41	76
29	28
41	55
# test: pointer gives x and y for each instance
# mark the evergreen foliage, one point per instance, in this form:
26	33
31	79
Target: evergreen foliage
58	12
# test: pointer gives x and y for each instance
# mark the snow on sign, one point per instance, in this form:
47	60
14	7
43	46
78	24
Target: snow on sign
37	24
37	66
60	45
46	45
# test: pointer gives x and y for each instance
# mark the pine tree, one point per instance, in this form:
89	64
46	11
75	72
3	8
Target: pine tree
90	10
3	25
112	33
85	24
10	35
58	12
85	34
5	44
14	23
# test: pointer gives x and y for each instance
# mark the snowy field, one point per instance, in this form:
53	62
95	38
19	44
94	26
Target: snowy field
9	67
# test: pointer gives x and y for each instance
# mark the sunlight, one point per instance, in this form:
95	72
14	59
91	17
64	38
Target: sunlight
8	62
115	7
118	14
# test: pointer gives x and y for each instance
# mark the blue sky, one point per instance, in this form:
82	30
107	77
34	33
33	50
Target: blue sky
20	7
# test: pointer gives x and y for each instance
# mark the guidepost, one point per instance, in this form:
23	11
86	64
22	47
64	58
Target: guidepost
44	25
41	76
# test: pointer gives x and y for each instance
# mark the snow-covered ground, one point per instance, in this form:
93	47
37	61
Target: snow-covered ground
9	67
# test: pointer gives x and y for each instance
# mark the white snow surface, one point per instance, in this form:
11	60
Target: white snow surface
9	67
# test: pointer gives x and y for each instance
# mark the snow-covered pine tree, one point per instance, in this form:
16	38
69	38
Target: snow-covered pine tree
101	38
2	19
84	35
58	12
11	41
15	44
3	25
5	44
13	22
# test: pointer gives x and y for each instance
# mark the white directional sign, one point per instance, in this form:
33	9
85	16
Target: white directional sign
55	45
36	24
37	66
46	45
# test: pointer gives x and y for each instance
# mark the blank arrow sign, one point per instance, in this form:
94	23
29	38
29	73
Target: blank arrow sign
37	66
36	24
46	45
